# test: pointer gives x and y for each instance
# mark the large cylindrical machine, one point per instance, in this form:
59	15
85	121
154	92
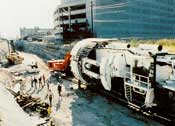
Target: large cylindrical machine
144	76
102	59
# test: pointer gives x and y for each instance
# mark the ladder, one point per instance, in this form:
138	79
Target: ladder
128	92
127	87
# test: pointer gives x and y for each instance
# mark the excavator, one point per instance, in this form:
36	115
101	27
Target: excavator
59	67
13	57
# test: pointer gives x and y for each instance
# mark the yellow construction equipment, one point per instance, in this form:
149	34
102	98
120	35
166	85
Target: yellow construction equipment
13	57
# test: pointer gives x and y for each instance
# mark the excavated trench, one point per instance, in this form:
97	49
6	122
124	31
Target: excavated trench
33	106
46	51
79	104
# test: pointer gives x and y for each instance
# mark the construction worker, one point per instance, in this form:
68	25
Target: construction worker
48	85
49	110
50	95
22	87
32	65
36	65
40	82
60	79
48	82
32	81
44	79
79	84
35	82
59	89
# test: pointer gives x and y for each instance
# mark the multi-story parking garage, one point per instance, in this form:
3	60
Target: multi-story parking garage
116	18
72	19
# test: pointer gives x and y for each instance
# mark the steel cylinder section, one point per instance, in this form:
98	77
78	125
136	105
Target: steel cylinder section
80	50
75	63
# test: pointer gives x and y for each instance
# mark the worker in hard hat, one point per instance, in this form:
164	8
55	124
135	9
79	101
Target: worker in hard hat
50	95
49	110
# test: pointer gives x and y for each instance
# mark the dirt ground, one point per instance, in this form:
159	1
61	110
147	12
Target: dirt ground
77	107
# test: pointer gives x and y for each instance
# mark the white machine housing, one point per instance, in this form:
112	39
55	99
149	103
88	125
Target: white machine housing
104	59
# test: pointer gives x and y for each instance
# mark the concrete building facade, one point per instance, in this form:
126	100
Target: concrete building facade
116	18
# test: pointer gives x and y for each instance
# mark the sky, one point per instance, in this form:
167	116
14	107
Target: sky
15	14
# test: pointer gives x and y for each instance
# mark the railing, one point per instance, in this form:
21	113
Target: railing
138	82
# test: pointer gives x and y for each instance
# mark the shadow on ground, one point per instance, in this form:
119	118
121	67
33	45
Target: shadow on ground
90	109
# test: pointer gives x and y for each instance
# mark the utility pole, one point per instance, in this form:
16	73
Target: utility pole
92	19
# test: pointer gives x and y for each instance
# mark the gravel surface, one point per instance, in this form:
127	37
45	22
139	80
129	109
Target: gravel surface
80	107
